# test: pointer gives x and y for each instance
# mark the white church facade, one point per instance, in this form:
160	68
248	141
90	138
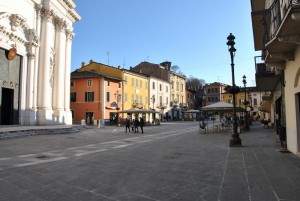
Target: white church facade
35	61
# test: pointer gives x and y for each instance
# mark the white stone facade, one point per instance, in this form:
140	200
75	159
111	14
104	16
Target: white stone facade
42	33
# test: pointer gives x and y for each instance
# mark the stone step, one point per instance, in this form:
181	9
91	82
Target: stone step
33	132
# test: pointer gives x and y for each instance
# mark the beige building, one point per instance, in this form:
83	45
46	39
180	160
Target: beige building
276	30
178	95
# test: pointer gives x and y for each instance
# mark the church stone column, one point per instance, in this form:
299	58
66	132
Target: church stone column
30	114
59	71
46	63
70	36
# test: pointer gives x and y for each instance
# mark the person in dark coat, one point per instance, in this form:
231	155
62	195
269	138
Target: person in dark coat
136	125
127	124
142	124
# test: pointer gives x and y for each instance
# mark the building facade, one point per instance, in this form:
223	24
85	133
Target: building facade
159	97
35	50
213	93
276	29
178	95
136	91
95	96
190	98
98	89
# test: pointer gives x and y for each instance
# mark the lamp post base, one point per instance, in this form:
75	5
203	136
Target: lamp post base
235	142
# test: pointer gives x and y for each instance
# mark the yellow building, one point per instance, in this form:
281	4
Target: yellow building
135	91
240	98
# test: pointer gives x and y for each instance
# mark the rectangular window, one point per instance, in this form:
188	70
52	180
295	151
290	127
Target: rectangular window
181	87
132	82
119	98
255	101
126	97
72	83
108	83
89	96
120	85
216	90
73	97
107	96
153	85
89	82
172	85
167	89
160	100
208	91
137	83
167	100
132	98
146	85
177	86
208	99
137	98
160	87
126	80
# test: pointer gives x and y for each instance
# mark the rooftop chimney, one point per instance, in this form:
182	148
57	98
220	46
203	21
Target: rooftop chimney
166	65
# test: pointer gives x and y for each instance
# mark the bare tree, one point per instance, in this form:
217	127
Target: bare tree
175	68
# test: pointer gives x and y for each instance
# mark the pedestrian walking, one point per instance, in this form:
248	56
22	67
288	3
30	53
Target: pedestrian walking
136	125
127	124
142	124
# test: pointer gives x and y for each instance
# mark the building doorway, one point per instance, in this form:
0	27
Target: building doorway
7	106
89	118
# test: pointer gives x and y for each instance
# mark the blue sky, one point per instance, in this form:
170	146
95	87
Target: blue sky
191	34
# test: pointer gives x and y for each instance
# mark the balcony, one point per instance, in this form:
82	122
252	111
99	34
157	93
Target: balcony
266	77
267	96
276	29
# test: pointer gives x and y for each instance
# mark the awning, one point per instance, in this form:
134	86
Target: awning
191	111
221	107
265	106
137	110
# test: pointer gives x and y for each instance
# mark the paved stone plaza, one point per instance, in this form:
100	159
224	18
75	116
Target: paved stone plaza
169	162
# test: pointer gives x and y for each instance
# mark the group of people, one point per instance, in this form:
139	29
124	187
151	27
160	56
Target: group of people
134	124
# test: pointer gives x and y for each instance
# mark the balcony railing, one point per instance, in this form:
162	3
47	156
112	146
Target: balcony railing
262	68
273	16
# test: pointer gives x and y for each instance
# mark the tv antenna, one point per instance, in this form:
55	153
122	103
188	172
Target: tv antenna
107	58
218	78
124	63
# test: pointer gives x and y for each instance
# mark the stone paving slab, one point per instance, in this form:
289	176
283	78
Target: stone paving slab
158	165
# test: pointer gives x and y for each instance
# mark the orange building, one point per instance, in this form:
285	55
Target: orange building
96	93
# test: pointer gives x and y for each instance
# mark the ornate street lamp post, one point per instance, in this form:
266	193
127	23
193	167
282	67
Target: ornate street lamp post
235	140
245	103
117	114
153	101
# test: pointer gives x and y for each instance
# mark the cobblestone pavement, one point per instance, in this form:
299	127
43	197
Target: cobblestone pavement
169	162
